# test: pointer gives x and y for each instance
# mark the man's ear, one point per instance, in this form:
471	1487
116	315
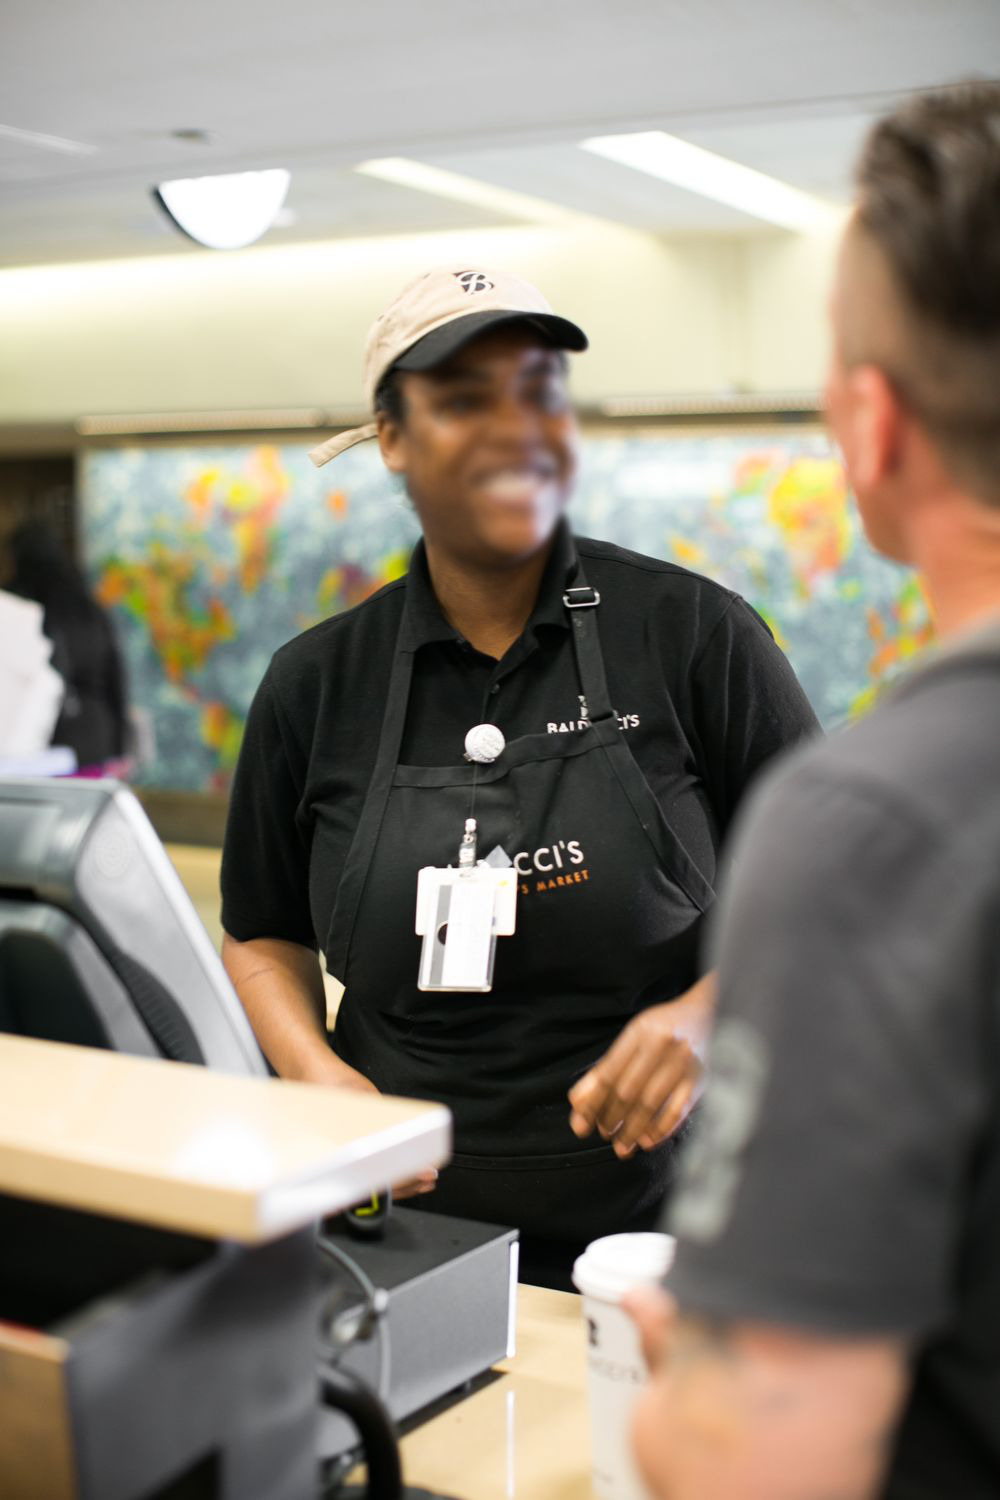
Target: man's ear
391	443
875	420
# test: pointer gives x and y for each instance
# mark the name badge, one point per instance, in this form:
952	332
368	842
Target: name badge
460	914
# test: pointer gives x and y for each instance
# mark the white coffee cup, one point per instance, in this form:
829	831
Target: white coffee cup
606	1270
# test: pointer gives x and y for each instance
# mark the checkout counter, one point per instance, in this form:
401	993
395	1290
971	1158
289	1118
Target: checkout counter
159	1283
519	1434
161	1295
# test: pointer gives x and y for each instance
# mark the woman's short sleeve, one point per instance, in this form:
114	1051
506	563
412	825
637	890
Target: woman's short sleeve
265	857
749	705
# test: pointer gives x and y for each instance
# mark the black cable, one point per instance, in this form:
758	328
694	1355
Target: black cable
349	1264
337	1338
372	1320
334	1472
345	1393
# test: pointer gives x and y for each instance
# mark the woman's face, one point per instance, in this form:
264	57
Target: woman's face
488	446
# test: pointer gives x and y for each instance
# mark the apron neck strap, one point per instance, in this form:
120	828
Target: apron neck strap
581	603
356	867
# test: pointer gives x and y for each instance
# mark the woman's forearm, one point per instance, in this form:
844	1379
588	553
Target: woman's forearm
280	987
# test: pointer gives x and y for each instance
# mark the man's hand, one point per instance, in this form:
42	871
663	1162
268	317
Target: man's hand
654	1313
647	1083
739	1411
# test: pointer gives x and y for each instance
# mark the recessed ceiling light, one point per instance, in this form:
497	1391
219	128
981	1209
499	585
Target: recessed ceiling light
699	171
47	142
441	183
226	211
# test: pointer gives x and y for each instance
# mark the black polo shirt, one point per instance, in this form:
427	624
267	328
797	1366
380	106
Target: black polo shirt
703	694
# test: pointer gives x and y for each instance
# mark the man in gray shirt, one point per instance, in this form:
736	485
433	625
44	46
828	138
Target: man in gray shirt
838	1272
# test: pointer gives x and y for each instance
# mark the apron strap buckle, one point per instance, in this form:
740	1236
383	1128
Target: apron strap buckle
581	598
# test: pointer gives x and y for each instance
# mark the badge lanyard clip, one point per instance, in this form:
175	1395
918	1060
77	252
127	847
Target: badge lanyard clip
467	848
461	911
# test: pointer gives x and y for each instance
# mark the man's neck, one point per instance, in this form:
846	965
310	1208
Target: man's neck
958	555
488	606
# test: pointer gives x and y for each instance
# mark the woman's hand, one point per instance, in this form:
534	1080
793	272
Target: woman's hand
647	1083
324	1066
328	1069
281	989
349	1078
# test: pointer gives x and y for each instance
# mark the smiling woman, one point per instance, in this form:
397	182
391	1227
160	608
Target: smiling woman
487	444
440	418
547	984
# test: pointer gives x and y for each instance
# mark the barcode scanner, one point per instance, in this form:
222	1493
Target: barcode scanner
367	1220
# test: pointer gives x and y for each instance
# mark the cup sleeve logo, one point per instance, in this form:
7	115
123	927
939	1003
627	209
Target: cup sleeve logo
473	281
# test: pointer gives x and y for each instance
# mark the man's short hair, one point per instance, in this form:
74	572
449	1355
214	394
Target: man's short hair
929	206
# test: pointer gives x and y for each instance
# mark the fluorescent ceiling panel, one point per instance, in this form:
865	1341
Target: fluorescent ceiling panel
699	171
444	184
227	211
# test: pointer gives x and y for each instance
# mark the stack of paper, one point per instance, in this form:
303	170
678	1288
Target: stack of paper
31	691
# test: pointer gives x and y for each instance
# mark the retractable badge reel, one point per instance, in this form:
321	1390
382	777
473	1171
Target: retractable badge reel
463	909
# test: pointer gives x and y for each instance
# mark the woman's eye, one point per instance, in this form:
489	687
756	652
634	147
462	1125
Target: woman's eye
553	397
460	405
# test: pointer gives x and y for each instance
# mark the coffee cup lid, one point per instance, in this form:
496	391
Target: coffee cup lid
612	1266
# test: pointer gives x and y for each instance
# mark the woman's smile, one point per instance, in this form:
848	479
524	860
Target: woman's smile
520	491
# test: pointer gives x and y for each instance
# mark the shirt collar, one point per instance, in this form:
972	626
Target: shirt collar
424	623
977	644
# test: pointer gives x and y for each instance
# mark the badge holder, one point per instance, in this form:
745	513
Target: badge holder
461	911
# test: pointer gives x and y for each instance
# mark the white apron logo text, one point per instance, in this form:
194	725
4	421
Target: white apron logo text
552	857
571	726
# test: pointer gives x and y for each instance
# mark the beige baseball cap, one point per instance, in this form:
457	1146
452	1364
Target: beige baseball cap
433	317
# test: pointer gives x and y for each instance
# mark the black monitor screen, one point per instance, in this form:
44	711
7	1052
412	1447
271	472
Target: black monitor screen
99	943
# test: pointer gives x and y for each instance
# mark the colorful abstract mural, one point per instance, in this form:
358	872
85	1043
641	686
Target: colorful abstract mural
211	556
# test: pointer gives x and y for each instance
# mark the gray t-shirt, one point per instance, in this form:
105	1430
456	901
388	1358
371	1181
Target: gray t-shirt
845	1175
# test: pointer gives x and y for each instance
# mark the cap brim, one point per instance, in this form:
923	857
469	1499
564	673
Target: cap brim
340	443
441	343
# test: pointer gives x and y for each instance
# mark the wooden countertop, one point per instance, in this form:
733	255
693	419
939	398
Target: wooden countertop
526	1436
207	1153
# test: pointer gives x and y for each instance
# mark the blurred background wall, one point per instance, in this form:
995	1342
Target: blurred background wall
285	326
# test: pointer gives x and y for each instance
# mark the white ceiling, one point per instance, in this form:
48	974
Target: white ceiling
500	92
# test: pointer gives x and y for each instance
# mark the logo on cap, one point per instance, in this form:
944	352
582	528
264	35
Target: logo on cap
473	281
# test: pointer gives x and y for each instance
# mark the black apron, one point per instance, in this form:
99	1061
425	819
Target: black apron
608	920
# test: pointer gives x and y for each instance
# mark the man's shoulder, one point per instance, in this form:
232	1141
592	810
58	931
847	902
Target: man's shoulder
925	756
868	857
932	741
